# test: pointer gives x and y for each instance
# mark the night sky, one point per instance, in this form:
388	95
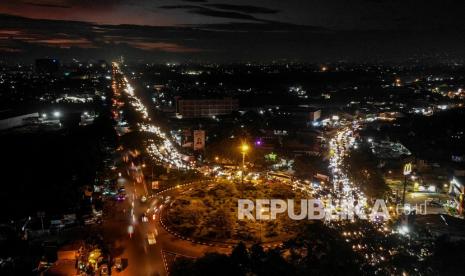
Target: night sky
227	30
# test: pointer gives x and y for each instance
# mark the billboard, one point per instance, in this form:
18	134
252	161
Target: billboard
199	139
407	168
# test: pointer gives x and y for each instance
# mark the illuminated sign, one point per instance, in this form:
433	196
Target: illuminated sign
407	168
199	139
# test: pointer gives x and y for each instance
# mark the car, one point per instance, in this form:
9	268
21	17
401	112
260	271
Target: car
120	197
88	219
43	265
104	270
109	192
118	264
151	239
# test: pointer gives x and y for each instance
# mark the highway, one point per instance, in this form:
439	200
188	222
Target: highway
124	228
339	147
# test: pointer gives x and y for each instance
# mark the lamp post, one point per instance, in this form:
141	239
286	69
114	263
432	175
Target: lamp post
244	150
407	171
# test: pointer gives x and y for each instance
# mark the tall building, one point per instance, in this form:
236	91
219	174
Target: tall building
203	108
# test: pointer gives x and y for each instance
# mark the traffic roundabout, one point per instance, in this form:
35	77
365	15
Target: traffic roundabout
206	213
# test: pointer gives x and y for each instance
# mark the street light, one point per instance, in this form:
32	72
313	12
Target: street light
244	149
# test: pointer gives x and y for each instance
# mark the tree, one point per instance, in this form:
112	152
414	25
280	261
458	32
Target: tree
240	257
257	256
363	171
448	257
183	267
211	264
319	249
275	264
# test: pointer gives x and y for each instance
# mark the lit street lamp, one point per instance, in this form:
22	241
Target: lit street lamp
244	149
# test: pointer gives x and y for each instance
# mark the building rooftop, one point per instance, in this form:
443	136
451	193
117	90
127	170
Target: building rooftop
439	225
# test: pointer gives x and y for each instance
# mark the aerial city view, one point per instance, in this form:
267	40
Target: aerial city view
221	137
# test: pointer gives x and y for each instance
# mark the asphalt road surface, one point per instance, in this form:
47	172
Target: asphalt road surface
140	258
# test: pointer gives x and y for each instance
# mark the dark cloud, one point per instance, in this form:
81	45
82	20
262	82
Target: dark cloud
41	25
268	26
244	8
211	12
247	37
54	37
416	15
48	5
90	4
175	7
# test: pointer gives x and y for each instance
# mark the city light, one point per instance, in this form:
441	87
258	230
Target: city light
244	148
164	151
343	187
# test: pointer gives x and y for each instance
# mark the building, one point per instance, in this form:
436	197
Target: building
314	115
456	191
441	225
203	108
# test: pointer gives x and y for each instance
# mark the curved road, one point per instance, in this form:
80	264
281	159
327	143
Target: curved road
142	258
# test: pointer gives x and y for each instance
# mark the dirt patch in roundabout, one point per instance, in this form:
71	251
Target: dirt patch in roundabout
209	212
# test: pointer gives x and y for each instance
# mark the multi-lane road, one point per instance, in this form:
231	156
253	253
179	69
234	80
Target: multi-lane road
339	147
128	224
142	258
